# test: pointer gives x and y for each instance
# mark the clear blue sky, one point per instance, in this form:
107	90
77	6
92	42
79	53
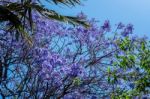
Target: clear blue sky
136	12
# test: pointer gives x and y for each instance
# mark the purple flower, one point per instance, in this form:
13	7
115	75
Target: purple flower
106	26
128	30
52	61
120	26
75	70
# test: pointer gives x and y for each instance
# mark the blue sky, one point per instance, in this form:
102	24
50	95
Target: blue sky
136	12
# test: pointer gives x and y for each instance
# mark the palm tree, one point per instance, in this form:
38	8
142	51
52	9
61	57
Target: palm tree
18	13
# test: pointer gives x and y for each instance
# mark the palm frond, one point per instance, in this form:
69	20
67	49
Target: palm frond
65	2
20	13
7	15
45	12
54	15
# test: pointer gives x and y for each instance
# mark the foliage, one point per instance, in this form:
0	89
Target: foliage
135	60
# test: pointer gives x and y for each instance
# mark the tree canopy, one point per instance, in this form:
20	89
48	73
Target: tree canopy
65	61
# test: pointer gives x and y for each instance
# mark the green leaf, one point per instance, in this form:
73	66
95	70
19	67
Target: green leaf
76	81
143	46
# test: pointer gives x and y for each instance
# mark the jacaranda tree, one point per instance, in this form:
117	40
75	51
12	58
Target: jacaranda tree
64	62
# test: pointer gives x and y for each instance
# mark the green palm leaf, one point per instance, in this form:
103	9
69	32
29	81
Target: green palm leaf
65	2
18	14
7	15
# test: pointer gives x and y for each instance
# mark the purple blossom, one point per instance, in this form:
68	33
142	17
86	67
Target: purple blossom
130	28
127	30
75	70
106	26
120	26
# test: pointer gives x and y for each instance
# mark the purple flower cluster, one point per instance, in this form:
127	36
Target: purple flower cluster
64	62
75	70
106	26
128	30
